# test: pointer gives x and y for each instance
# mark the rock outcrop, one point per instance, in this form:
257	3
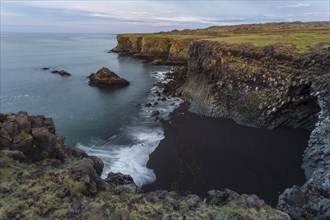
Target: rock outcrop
106	78
50	180
58	72
171	48
61	72
268	87
161	50
264	86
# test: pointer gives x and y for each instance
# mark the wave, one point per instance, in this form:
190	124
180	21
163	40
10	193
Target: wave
128	150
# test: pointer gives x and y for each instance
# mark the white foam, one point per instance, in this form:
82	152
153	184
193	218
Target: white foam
129	159
128	151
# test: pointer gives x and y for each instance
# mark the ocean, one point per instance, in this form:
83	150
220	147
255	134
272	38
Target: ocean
113	124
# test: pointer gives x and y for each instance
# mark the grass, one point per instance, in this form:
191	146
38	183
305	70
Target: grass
25	133
302	38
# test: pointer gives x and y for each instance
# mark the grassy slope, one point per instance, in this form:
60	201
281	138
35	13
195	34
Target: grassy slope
302	37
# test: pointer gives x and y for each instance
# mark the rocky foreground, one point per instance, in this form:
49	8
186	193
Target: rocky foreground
42	178
258	83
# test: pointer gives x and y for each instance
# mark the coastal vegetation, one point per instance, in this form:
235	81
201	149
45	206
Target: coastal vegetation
302	36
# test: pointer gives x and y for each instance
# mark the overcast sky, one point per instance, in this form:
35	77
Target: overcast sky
150	16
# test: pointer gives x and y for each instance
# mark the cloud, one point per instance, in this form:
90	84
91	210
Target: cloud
264	5
297	5
153	16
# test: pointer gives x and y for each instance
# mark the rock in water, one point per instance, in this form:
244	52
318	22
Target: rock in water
61	72
105	77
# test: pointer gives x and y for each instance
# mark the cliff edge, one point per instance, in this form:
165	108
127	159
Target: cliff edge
264	75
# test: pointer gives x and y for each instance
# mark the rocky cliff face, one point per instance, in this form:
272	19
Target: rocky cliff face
262	87
269	87
160	49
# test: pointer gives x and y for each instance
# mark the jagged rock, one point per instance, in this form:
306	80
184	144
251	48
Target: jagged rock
74	151
308	201
85	172
97	164
119	179
105	77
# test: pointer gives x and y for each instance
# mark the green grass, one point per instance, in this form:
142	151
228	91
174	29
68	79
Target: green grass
302	38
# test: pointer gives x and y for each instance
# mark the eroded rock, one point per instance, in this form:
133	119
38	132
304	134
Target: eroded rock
105	77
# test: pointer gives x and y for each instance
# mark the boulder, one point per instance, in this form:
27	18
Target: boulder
122	183
119	179
97	164
74	151
85	173
23	122
106	78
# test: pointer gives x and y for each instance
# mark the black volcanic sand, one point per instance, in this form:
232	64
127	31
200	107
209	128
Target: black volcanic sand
202	153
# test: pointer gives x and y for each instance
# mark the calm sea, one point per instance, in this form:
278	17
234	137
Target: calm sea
104	122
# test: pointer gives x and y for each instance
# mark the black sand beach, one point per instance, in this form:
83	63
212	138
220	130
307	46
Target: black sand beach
202	153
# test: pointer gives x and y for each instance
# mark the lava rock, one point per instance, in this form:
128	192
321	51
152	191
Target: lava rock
106	78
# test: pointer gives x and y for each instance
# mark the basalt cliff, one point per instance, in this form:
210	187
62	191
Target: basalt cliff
264	75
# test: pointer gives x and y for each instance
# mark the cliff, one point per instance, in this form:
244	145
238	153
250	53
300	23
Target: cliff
266	75
160	49
171	48
42	178
269	87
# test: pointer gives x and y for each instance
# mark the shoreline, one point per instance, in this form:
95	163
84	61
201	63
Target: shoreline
198	152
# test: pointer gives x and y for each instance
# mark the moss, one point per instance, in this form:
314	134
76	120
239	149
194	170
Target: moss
44	155
215	202
61	213
257	97
25	133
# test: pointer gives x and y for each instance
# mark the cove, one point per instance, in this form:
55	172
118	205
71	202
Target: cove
202	153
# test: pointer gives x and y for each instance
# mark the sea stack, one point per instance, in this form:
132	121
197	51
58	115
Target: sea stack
106	78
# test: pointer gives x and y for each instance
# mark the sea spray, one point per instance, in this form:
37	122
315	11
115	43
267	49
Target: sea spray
128	150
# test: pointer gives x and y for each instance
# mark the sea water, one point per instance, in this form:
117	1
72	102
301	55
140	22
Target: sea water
113	124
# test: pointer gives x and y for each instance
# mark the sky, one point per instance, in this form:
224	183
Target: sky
46	16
